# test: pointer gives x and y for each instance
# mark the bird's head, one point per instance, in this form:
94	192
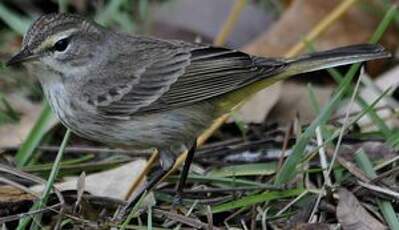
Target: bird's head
62	43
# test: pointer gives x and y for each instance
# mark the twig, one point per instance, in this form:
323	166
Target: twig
287	136
244	226
322	26
385	163
79	150
385	174
216	200
227	190
344	125
140	178
19	186
379	189
21	215
322	156
195	223
228	26
279	213
354	113
7	169
209	217
264	219
316	205
353	169
188	213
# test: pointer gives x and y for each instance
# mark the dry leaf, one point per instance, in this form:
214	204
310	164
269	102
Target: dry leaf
376	150
316	226
295	100
114	183
355	26
352	216
13	200
257	107
9	194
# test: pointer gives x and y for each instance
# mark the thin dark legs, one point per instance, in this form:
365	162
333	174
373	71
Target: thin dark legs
184	173
158	175
147	187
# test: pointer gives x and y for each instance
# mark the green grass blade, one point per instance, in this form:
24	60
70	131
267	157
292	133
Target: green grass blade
49	166
5	119
385	22
110	10
254	169
217	180
63	6
288	169
378	121
393	140
8	109
50	182
254	199
16	22
35	135
7	112
149	218
133	212
385	206
312	98
24	154
143	9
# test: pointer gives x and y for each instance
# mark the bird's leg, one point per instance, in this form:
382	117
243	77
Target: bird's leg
158	175
184	173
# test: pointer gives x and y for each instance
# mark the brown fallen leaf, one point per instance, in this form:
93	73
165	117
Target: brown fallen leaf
13	200
12	194
355	26
295	100
316	226
376	150
352	216
113	183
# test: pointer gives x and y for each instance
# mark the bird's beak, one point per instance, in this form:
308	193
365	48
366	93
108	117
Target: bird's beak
22	56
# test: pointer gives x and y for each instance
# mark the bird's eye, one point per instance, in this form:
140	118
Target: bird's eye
61	45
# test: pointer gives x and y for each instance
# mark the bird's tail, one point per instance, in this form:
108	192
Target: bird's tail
308	63
335	57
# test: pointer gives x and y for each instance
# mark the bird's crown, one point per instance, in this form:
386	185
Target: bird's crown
50	28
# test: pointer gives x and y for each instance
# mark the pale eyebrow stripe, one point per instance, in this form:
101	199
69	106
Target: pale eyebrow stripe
52	39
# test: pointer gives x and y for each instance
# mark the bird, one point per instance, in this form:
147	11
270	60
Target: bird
144	92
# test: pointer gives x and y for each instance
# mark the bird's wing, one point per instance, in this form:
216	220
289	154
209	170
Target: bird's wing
183	78
213	72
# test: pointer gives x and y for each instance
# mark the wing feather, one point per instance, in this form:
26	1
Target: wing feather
213	72
185	77
152	84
